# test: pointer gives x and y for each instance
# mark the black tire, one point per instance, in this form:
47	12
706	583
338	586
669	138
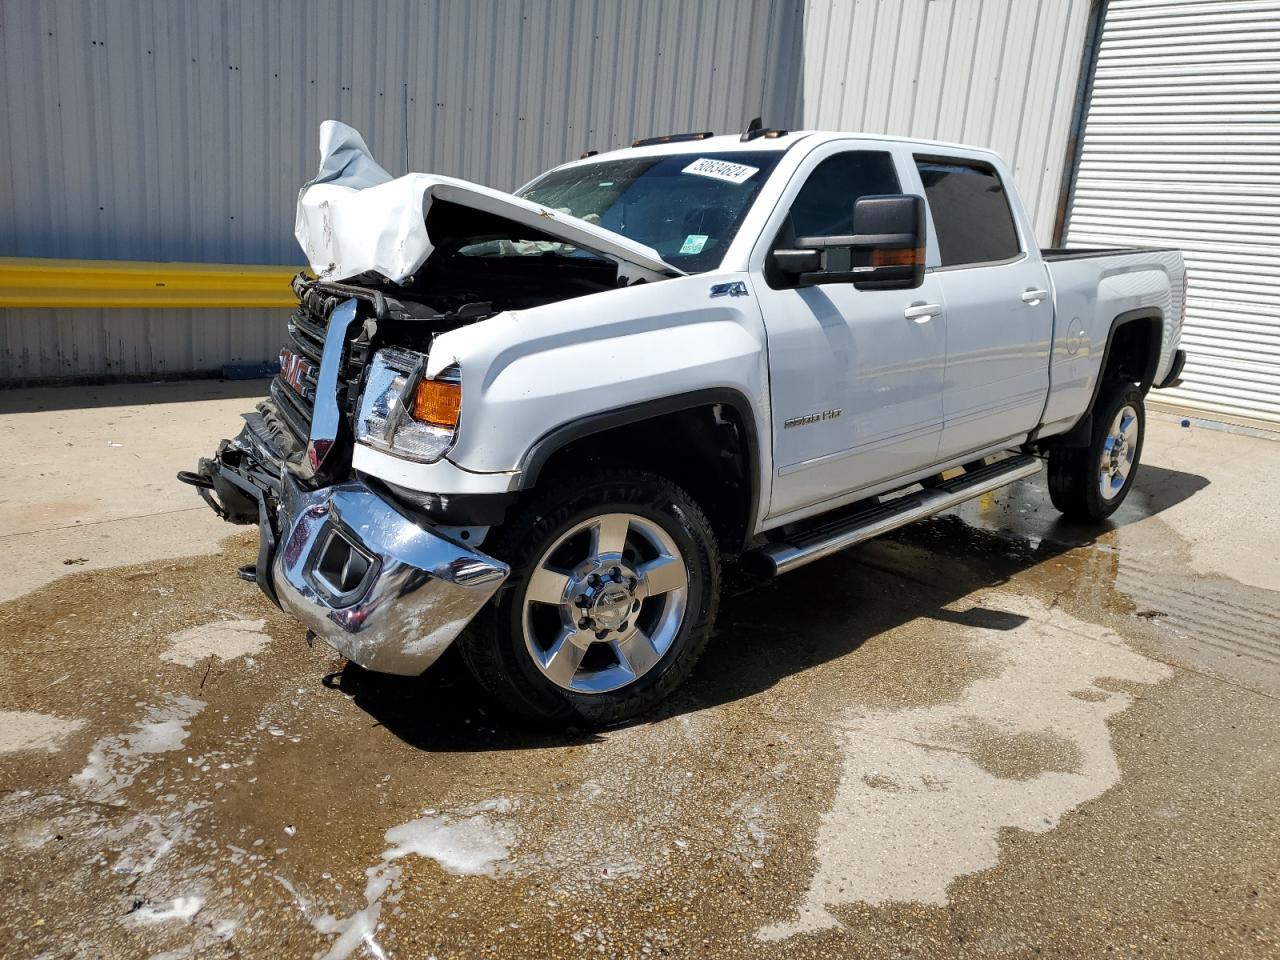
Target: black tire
1075	473
494	646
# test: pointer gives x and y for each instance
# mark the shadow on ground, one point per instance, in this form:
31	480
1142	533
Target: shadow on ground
770	630
40	399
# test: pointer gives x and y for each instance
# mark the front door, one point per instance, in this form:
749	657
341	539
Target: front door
855	375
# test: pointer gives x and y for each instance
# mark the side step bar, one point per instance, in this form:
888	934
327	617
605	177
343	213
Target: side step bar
826	539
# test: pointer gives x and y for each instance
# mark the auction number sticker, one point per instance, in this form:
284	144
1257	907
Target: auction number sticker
722	170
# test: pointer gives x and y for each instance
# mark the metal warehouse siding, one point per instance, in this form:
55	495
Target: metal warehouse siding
1180	149
993	73
164	130
160	130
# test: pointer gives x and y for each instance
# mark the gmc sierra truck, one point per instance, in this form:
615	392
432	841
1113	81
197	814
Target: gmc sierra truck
536	424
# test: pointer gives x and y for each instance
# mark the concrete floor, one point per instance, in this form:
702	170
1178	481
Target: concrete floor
993	734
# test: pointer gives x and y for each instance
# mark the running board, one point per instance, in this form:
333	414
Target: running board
826	539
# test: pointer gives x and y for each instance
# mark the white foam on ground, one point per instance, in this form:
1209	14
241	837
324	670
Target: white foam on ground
116	760
25	730
359	928
469	845
224	639
180	908
147	838
914	810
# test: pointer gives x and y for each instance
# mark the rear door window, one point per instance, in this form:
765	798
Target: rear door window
971	212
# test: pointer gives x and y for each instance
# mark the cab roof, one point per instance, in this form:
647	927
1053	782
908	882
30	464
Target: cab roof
733	143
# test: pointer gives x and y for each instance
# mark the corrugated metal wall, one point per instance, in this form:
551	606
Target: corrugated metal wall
993	73
163	130
1180	149
167	130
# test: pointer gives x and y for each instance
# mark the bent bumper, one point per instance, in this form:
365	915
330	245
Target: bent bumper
385	592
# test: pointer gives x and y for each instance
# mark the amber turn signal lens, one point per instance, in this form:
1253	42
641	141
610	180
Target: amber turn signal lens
437	402
907	257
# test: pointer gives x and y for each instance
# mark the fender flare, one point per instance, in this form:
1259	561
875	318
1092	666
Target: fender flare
1153	360
1079	435
542	449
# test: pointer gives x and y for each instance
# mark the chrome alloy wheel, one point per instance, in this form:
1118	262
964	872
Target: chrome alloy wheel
1118	451
604	603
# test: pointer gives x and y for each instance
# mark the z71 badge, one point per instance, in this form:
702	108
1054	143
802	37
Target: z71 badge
811	418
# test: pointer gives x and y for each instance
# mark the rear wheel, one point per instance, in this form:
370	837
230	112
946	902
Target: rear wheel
1090	483
613	590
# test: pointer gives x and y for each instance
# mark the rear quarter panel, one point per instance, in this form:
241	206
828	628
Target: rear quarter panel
1089	293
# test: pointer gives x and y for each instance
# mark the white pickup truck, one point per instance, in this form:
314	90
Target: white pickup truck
537	423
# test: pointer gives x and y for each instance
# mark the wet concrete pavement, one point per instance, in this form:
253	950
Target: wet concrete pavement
993	734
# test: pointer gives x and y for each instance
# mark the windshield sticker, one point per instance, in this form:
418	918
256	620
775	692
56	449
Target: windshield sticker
694	243
722	170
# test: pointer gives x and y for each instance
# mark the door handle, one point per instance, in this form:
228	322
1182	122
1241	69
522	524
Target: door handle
1034	296
921	312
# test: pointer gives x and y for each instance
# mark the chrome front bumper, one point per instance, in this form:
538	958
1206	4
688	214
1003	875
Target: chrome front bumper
385	592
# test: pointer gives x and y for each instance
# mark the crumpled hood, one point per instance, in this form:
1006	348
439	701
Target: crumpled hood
355	217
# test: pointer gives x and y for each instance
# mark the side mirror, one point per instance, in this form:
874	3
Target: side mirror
796	262
884	252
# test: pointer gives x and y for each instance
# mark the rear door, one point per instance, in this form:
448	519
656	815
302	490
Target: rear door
855	375
998	302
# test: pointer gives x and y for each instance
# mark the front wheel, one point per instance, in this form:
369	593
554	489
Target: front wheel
614	584
1090	483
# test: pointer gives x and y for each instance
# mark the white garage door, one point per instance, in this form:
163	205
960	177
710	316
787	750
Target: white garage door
1182	148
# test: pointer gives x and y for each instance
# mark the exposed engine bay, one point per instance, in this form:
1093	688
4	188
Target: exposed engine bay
396	262
482	265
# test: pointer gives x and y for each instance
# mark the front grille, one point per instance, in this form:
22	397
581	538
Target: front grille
307	329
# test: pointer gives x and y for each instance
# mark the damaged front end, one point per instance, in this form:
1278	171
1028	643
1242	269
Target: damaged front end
383	587
377	570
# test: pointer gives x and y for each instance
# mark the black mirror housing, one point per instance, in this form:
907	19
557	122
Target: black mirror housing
885	250
796	262
892	228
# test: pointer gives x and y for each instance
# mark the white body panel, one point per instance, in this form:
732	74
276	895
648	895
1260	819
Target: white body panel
987	371
1089	294
998	337
836	348
528	372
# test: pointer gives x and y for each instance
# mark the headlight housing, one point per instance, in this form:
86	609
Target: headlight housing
405	413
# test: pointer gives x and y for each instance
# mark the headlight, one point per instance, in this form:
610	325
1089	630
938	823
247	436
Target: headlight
406	414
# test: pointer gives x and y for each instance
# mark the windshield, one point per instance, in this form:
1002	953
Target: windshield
688	207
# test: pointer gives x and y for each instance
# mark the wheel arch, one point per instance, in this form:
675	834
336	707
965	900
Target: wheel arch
1144	327
735	523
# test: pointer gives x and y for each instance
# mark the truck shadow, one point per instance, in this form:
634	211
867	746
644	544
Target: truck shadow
770	630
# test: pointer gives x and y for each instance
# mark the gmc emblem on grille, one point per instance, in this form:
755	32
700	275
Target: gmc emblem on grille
295	370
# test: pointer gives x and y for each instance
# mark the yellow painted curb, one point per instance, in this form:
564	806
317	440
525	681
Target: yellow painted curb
30	282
